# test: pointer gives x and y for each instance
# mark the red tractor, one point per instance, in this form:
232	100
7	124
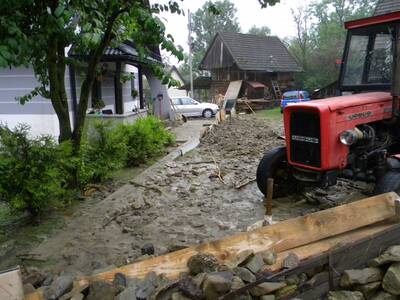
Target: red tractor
355	136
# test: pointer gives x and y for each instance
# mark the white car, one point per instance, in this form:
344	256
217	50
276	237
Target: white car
192	108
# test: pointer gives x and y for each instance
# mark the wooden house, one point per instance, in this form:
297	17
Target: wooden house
260	61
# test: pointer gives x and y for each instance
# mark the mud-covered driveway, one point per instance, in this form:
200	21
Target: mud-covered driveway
206	194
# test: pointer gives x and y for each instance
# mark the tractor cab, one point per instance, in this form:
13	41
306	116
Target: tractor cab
354	136
369	56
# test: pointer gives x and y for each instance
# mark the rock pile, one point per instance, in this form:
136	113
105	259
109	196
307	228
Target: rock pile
379	281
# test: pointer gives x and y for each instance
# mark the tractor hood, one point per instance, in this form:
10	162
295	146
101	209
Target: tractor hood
343	102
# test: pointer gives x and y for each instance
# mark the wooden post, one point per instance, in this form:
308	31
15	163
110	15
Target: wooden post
268	200
397	208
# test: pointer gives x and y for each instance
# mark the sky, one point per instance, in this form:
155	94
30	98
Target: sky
278	18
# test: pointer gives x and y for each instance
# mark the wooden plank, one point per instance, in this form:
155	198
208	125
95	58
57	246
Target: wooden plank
38	295
325	245
11	285
280	237
357	255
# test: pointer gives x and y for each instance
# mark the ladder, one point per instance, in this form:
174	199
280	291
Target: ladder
276	89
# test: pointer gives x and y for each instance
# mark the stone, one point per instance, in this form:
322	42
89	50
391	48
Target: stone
266	288
267	297
360	276
215	285
188	287
383	296
318	279
147	249
35	278
242	258
269	257
179	296
60	285
286	291
80	289
291	261
101	290
79	296
368	289
391	280
145	289
244	274
392	254
48	280
345	295
199	279
202	263
120	280
237	283
255	263
292	279
28	288
127	294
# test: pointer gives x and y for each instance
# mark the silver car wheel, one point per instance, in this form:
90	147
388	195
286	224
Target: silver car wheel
207	113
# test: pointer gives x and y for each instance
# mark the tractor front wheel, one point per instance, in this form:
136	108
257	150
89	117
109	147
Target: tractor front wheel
274	165
390	182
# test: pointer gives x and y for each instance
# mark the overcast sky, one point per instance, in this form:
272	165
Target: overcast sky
278	18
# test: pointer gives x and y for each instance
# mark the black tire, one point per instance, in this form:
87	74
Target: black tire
274	165
205	112
390	182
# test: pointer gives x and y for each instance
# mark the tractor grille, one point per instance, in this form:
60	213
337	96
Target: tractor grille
305	139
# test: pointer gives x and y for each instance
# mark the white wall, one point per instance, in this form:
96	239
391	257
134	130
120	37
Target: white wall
37	113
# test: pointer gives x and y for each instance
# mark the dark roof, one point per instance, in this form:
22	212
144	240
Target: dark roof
199	83
258	53
387	6
125	52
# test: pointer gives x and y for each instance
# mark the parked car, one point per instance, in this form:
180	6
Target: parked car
294	97
192	108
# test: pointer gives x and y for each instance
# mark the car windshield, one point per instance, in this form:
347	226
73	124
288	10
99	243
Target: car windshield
188	101
369	59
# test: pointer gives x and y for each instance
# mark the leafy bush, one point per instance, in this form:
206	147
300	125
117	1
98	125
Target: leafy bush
145	139
103	152
30	174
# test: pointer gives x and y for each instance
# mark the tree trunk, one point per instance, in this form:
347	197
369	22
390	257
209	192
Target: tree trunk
56	69
94	60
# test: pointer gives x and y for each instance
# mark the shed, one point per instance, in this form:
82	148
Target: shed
235	56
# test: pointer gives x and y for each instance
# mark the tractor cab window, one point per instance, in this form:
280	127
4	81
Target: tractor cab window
369	59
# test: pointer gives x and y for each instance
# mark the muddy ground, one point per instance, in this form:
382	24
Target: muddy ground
179	203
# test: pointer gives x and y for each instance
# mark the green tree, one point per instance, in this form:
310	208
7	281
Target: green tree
37	33
207	22
262	31
321	35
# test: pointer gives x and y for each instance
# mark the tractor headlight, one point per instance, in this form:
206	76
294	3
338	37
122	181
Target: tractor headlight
350	137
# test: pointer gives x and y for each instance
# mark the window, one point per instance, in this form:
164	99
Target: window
370	57
176	101
187	101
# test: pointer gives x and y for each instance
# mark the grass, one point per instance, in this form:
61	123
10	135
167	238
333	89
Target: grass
271	114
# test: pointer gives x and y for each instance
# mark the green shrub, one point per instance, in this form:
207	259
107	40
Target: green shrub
30	174
103	152
145	139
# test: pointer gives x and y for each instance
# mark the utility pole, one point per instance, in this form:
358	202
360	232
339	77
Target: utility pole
190	53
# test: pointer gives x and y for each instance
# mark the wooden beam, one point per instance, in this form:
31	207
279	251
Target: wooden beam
11	285
328	244
280	237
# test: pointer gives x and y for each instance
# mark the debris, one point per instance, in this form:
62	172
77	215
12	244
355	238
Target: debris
266	288
147	249
345	295
60	285
363	276
217	284
101	290
291	261
391	280
202	263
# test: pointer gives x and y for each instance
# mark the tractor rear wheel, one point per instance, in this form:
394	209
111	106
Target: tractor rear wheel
390	182
274	165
